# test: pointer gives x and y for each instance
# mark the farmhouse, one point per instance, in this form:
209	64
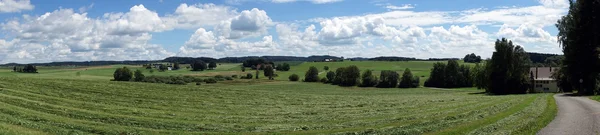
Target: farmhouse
542	82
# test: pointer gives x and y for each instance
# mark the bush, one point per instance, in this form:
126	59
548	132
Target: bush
228	78
171	79
180	82
388	79
198	83
249	76
234	76
210	80
312	75
326	68
324	80
219	77
368	79
294	77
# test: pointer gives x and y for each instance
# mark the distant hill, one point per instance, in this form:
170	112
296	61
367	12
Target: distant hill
535	58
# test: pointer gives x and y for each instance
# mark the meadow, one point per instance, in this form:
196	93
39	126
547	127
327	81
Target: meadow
58	101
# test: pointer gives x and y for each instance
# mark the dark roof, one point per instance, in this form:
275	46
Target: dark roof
542	73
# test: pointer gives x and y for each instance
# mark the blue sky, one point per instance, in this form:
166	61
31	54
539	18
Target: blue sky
82	30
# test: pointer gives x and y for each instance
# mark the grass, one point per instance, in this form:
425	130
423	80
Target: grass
597	98
55	101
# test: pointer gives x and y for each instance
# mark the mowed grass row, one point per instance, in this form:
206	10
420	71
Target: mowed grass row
66	106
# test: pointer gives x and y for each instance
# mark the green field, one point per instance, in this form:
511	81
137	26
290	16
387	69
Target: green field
57	101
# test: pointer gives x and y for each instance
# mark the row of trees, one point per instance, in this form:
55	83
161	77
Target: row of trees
350	76
450	75
578	37
125	74
26	69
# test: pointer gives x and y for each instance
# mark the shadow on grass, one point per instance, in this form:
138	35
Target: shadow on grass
478	93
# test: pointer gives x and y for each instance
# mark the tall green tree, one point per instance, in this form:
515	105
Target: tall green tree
368	79
176	66
339	76
122	74
351	76
330	76
388	79
312	75
139	76
578	36
269	72
479	76
212	65
199	66
452	74
407	80
286	67
508	69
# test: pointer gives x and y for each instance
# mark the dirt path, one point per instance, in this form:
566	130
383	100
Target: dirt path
576	116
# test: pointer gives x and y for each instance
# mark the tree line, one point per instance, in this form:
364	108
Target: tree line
578	33
125	74
451	75
351	76
26	69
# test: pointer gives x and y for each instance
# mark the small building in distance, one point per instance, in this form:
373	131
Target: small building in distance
542	80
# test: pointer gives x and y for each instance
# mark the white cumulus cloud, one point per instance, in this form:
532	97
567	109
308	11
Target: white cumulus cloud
7	6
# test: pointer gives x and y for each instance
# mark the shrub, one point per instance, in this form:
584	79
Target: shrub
198	83
312	75
368	79
324	80
294	77
249	76
388	79
210	80
234	76
219	77
180	82
326	68
197	79
228	78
